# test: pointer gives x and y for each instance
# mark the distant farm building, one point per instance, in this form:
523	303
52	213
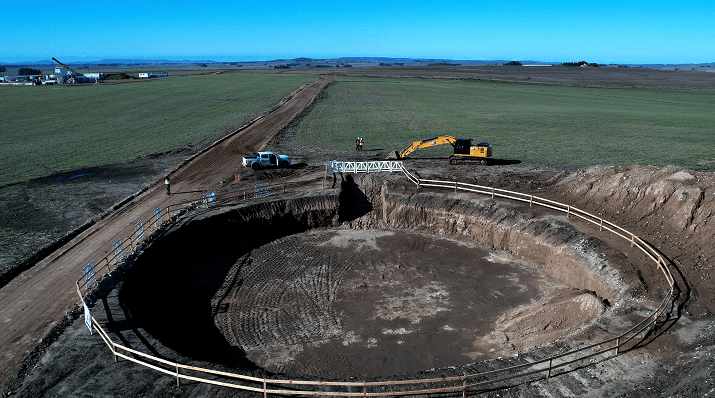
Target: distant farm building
147	75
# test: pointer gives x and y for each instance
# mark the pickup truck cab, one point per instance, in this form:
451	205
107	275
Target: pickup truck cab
266	159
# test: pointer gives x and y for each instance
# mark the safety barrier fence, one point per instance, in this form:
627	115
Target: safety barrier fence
461	383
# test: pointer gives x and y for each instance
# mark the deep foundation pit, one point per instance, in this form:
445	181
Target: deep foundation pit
341	285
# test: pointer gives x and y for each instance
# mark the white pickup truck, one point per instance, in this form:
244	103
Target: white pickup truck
266	159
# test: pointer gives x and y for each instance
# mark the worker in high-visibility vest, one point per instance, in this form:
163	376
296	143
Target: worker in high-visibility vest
167	182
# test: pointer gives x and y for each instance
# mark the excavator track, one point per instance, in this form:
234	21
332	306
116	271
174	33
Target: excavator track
461	160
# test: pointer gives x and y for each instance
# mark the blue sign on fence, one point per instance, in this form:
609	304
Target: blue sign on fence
208	199
90	274
118	250
139	228
262	190
157	217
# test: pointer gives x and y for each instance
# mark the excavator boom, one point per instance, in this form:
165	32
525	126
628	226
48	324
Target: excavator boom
443	139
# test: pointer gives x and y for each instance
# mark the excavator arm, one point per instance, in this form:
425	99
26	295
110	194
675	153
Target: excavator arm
443	139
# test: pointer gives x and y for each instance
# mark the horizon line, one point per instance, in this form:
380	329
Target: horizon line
366	58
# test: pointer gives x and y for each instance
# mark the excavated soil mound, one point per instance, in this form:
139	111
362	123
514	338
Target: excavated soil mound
671	206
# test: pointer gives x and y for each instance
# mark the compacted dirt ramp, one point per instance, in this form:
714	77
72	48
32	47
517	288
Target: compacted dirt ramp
31	303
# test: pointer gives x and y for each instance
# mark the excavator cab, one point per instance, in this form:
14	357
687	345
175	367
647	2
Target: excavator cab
462	146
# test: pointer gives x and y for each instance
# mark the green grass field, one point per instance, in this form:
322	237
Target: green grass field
50	129
545	124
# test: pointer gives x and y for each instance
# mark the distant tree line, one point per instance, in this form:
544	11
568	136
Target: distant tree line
581	63
515	63
28	71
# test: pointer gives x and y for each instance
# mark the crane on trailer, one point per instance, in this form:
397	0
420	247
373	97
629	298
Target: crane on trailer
71	72
464	151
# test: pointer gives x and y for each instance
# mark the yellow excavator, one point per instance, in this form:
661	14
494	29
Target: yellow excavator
464	151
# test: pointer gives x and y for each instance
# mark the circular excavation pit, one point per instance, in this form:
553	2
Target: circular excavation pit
330	287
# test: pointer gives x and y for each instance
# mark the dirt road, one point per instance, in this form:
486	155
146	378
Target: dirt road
34	301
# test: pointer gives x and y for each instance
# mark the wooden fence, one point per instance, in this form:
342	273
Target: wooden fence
462	383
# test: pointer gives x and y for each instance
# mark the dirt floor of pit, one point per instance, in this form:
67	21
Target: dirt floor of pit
334	304
677	363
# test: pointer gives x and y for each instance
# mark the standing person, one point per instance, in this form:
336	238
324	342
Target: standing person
361	144
357	144
167	182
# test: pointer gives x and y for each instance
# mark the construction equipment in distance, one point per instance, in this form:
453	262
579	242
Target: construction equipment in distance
464	151
72	75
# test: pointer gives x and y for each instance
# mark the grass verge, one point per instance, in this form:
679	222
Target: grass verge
50	129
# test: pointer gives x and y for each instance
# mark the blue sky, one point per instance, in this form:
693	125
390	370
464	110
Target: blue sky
559	31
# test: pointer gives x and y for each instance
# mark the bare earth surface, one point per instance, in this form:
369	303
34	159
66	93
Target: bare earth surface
31	312
364	297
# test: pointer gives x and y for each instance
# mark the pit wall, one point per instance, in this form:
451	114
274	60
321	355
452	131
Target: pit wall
548	243
367	202
270	216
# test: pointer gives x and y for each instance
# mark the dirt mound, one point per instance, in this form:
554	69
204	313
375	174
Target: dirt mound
393	155
545	321
672	207
680	200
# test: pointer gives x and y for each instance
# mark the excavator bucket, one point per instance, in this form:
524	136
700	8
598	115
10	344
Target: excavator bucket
393	155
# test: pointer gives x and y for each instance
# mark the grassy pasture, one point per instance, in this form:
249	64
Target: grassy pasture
50	129
547	124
